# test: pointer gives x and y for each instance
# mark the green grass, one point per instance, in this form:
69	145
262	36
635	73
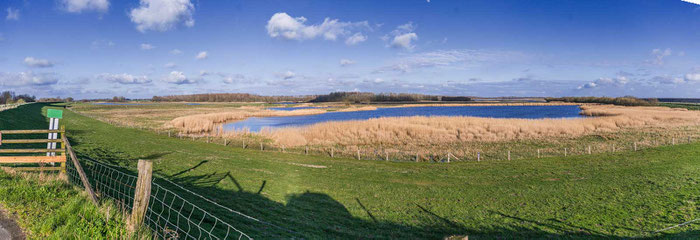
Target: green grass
52	209
621	195
689	106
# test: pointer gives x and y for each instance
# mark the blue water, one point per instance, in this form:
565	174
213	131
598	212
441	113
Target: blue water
120	104
529	112
291	108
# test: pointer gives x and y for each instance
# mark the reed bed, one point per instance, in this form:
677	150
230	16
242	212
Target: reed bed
451	130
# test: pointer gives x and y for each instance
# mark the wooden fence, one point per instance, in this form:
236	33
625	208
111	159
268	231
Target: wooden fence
28	156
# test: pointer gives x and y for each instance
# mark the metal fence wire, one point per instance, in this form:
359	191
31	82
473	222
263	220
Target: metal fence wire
169	215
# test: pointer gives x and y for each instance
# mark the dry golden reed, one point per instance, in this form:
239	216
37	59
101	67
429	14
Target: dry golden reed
451	130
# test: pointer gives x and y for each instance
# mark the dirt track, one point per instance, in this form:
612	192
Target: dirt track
8	227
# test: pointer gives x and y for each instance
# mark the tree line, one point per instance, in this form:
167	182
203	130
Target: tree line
622	101
9	97
229	97
366	97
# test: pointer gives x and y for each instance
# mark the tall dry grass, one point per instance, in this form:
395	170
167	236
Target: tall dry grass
452	130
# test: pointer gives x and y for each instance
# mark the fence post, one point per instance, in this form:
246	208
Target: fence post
565	152
613	148
243	143
142	194
689	139
387	155
589	149
448	157
508	155
306	151
332	152
416	157
358	154
673	141
79	169
478	156
635	146
168	133
261	147
225	142
538	153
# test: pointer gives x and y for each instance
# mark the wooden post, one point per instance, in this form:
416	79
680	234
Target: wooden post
207	139
358	154
306	151
79	168
673	141
635	146
613	147
225	142
142	194
261	147
478	156
689	139
243	143
332	152
168	133
589	149
387	155
63	147
416	157
565	152
508	155
538	153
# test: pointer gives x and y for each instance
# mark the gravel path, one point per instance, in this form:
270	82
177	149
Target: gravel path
9	230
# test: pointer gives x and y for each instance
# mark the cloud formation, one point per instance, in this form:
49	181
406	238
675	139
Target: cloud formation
179	78
605	82
346	62
37	63
146	46
287	75
77	6
355	39
454	58
12	14
281	25
162	15
175	52
403	37
27	78
202	55
125	78
659	56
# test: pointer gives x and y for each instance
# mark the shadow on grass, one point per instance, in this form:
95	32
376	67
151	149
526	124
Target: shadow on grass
314	215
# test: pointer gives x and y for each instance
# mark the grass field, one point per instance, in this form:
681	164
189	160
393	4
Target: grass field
689	106
621	195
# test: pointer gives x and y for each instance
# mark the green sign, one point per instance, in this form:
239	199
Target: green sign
53	113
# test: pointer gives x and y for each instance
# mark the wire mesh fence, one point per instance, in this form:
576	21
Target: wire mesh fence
169	215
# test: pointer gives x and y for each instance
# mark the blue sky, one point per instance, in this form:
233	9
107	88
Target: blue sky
138	49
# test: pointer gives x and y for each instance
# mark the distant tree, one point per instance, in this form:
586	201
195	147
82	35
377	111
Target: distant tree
69	99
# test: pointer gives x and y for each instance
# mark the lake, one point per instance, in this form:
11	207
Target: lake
255	124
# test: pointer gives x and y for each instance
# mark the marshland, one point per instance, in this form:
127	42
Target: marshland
415	131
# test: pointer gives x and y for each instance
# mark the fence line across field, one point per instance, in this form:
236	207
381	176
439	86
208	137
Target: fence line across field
443	156
169	215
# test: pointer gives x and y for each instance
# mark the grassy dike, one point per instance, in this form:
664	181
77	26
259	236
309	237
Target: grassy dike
46	206
619	195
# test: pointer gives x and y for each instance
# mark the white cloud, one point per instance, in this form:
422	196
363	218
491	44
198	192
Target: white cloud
281	25
27	78
38	63
692	77
600	82
345	62
170	65
355	39
98	44
659	56
455	58
12	14
175	52
146	46
230	79
162	15
179	78
404	41
202	55
77	6
125	78
287	75
403	36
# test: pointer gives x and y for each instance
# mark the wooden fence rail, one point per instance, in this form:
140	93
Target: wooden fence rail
13	158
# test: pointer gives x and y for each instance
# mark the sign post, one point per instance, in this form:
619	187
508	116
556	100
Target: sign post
54	115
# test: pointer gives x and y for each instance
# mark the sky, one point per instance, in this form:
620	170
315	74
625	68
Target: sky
144	48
